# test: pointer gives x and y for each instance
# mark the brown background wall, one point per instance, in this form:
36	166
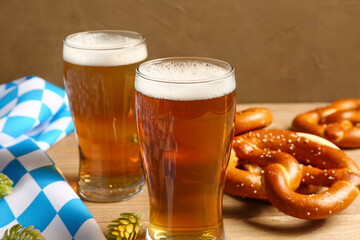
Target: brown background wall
283	50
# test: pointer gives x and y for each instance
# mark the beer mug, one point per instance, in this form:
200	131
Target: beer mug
185	112
99	73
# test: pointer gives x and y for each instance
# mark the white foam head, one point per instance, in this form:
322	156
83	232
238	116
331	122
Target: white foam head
185	79
104	48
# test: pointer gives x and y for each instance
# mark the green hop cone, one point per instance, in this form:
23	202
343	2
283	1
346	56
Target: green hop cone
126	227
19	233
5	185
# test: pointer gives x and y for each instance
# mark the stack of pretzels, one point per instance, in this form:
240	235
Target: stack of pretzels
287	168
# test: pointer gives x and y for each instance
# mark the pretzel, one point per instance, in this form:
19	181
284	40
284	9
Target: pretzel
246	120
339	122
237	181
278	153
251	119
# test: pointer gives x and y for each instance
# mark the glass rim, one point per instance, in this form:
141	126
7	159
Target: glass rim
230	69
141	39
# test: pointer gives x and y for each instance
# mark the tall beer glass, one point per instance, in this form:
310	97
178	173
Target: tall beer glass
185	111
99	74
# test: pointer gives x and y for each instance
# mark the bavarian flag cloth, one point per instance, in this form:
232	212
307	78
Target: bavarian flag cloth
34	115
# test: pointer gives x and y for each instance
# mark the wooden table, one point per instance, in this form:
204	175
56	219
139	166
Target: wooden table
243	218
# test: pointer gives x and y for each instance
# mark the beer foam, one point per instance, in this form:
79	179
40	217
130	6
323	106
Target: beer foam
184	80
104	49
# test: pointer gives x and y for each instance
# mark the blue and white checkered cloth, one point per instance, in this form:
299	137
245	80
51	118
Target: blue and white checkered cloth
34	115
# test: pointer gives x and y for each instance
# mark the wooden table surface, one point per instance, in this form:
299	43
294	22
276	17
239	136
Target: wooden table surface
243	218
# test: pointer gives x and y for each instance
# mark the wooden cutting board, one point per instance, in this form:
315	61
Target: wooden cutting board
243	218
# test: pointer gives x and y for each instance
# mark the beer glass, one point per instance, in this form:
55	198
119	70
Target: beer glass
99	74
185	112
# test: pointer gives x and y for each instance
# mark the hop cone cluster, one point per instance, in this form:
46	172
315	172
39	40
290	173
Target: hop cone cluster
126	227
5	185
19	233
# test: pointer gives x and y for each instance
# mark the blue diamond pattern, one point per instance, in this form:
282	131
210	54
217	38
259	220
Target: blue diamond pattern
15	171
39	213
23	148
30	135
6	215
72	210
46	175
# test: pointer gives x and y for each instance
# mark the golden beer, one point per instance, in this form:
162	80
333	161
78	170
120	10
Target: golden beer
185	134
99	80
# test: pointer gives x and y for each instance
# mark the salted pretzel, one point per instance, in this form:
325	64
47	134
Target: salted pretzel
271	165
339	122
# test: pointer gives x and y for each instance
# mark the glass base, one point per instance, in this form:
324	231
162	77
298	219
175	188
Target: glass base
95	194
213	234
